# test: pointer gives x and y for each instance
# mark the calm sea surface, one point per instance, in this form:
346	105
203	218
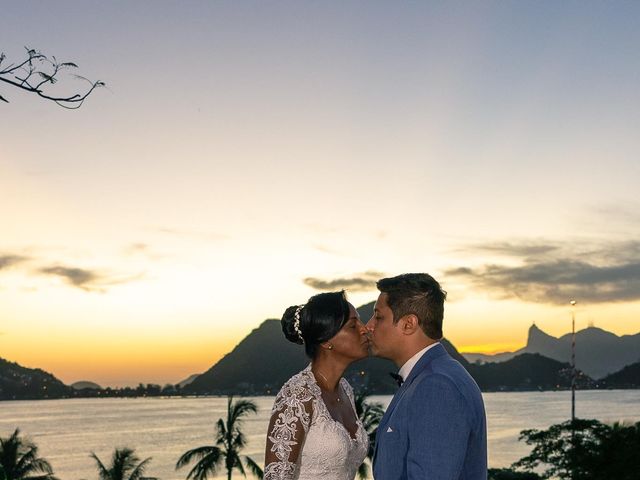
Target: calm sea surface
66	431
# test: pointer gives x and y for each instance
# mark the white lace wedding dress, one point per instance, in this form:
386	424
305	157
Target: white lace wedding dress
305	442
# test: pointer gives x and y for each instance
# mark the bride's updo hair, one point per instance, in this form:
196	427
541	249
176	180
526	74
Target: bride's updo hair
319	320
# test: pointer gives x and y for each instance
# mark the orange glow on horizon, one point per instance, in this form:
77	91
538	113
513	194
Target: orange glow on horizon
490	348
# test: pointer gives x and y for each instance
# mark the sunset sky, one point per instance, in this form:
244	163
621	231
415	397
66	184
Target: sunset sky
246	155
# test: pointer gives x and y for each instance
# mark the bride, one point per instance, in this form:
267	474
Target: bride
314	432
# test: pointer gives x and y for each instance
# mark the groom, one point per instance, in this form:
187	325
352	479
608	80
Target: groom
435	426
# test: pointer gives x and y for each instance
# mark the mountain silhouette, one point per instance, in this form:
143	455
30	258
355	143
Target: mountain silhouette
265	359
628	377
22	383
188	380
598	352
82	384
527	371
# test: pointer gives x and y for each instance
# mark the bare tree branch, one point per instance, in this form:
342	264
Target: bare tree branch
47	70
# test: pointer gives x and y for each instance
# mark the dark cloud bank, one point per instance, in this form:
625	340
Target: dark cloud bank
357	283
557	273
82	278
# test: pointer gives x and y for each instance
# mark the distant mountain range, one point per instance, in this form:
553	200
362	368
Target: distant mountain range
598	352
264	360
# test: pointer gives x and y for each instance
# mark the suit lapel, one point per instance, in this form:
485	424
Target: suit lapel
434	352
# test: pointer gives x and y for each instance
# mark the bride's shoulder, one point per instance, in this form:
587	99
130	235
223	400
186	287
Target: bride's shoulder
302	386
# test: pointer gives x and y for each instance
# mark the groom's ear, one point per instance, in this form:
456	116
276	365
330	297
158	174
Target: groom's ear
409	324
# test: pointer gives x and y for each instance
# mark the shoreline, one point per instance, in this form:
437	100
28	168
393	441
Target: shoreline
254	395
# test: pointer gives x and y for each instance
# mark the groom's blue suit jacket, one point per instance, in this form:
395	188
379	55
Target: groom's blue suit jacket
435	426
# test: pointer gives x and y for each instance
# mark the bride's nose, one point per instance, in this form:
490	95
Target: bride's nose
362	328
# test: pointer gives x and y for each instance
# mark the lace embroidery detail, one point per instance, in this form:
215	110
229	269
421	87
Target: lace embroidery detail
290	408
301	419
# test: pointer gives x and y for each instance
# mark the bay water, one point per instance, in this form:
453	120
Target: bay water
66	431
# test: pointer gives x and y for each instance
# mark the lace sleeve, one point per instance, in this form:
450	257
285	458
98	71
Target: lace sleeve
290	420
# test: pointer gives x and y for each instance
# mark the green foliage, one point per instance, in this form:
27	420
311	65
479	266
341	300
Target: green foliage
19	460
125	465
229	441
584	450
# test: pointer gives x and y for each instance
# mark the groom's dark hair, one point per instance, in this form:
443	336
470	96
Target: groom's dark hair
419	294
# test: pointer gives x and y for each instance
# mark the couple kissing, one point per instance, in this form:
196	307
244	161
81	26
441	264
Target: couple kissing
433	429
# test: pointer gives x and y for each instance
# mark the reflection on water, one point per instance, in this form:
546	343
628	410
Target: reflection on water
163	428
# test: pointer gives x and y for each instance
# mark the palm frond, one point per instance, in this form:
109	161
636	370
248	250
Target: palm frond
9	451
240	409
19	459
103	472
196	453
138	471
221	431
124	460
371	416
239	440
207	465
35	465
25	464
253	467
238	465
229	441
42	477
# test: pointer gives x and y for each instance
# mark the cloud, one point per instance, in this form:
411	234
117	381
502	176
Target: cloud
586	272
9	260
357	283
88	280
522	249
85	279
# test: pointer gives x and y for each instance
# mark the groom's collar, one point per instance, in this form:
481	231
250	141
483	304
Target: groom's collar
405	370
437	351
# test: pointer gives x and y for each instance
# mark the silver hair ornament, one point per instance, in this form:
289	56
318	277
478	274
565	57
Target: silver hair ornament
296	322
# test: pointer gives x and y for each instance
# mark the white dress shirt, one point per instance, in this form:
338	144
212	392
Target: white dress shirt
405	370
